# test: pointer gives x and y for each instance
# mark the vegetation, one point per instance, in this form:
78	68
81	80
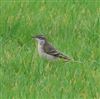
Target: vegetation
72	27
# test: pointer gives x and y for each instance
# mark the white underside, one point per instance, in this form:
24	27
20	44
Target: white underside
43	54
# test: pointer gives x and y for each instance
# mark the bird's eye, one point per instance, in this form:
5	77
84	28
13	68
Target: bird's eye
40	38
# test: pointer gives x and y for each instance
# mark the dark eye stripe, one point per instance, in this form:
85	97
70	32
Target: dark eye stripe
41	37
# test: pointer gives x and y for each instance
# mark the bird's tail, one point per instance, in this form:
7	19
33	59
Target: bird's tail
66	58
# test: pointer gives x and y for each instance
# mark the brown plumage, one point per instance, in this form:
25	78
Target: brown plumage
47	51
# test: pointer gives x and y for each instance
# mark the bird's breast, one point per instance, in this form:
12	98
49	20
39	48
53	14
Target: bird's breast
43	54
40	49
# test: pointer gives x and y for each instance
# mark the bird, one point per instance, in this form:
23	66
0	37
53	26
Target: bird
47	51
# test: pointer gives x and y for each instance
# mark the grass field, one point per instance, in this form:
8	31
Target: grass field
73	27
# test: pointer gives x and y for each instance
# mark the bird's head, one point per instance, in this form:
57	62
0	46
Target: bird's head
40	38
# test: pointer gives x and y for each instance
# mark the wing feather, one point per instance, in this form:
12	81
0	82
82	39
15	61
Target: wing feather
49	49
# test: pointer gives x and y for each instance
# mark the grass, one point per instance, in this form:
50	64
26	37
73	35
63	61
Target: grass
73	27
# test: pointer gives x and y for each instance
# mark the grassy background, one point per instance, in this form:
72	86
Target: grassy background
73	27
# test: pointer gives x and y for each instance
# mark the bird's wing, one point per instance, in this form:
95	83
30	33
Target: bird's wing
49	49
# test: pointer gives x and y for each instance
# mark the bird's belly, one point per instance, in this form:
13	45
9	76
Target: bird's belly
44	55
